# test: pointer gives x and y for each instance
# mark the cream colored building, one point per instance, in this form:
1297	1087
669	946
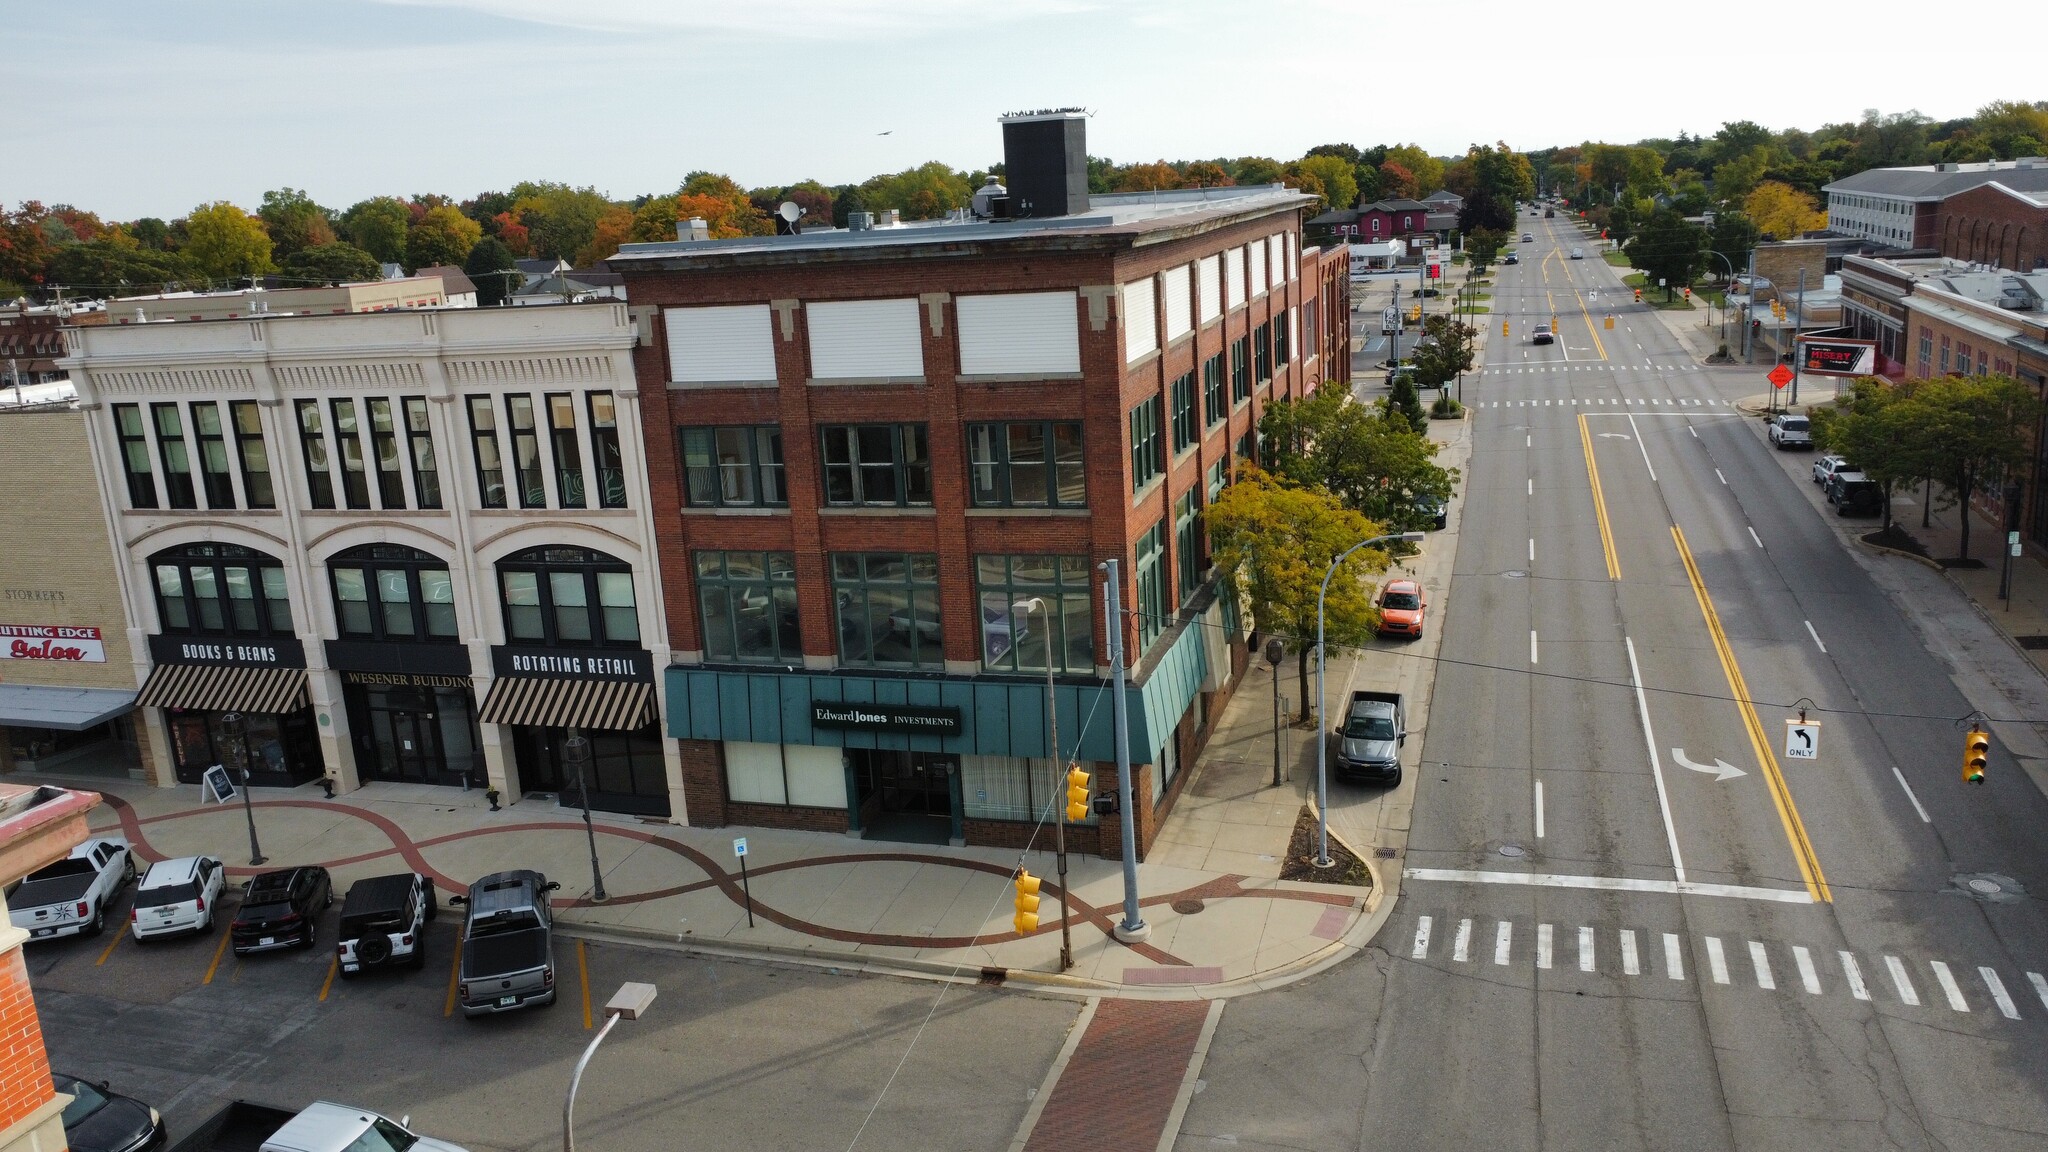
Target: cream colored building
369	296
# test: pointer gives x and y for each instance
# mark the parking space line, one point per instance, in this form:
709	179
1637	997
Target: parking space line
454	974
333	966
583	974
218	950
109	949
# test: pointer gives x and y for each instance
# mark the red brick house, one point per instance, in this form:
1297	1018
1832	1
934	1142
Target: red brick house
1996	225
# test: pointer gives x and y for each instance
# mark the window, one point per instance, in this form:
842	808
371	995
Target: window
213	455
1151	585
888	609
1137	304
1219	479
748	606
1240	370
483	443
426	475
797	775
605	455
1944	353
1282	345
568	454
255	457
1233	278
1262	352
1248	446
733	467
384	448
533	490
1019	639
1026	465
877	465
355	481
135	455
1313	347
220	590
313	447
1186	425
571	596
170	446
388	592
1186	544
1209	288
1213	405
1145	462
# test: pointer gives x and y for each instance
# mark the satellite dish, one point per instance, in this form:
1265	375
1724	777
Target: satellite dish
789	211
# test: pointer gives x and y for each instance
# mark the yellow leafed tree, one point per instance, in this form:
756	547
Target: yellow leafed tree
1782	210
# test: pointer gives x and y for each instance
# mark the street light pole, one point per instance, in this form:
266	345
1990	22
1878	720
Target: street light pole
630	1002
576	750
1322	736
1052	744
231	726
1133	927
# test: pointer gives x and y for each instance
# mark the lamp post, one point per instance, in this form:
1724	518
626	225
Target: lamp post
1133	927
576	750
1322	741
1052	744
630	1002
232	729
1729	283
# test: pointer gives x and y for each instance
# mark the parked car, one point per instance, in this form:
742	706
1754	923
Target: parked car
1437	510
1787	430
1840	483
1401	607
99	1119
177	896
1829	464
1857	497
281	910
1396	374
1541	335
320	1127
384	921
508	957
1368	743
70	897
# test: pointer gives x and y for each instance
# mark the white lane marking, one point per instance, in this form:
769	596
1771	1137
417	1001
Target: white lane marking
1461	946
1723	479
1695	435
1902	982
1532	549
1611	884
1717	960
1753	536
1674	963
1532	646
1901	778
1999	997
1585	949
1421	940
1809	978
1502	937
1656	765
1816	637
1529	441
1532	485
1543	946
1761	961
1631	965
1854	976
1539	809
2040	984
1644	448
1947	980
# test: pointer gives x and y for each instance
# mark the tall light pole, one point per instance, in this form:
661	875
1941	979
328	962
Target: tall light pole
576	750
1052	745
1322	736
232	727
630	1002
1133	927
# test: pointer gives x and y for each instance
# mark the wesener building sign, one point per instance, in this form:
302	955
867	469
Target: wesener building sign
885	718
51	642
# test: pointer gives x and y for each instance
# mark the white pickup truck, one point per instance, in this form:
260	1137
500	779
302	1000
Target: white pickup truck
70	897
322	1127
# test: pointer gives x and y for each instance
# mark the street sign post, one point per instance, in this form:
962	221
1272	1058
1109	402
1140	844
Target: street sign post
1780	376
1390	320
739	849
1802	739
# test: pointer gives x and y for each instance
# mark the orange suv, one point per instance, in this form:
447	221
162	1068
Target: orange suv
1401	607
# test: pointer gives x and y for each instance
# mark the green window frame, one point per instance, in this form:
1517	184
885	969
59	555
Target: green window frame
1147	457
1152	610
1214	407
888	609
1026	464
1014	640
747	607
733	466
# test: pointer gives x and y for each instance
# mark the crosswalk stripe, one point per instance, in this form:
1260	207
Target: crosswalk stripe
1717	961
1807	976
1998	994
1629	963
1501	939
1854	975
1543	946
1585	949
1948	986
1674	964
2040	987
1421	940
1761	961
1461	948
1901	982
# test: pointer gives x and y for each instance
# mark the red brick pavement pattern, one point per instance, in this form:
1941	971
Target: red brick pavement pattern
1118	1087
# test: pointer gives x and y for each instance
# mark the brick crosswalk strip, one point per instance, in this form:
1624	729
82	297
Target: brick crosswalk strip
1119	1086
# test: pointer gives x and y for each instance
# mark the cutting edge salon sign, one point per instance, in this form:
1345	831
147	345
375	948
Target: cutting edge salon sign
51	642
885	718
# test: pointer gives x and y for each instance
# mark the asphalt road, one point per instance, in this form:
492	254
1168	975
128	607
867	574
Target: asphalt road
1629	920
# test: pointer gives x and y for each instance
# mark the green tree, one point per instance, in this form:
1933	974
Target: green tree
491	267
2013	128
443	236
1482	248
113	266
1873	428
336	263
1446	350
378	226
1275	542
1669	248
926	192
1972	431
1375	465
1733	237
1340	189
222	242
1427	170
561	221
1404	402
294	221
1257	170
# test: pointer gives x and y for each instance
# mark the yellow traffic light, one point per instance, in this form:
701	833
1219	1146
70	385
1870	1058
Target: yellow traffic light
1026	919
1077	794
1976	750
1610	323
1503	327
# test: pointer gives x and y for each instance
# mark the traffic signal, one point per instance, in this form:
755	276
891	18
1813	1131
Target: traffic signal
1639	295
1976	748
1026	919
1503	327
1077	794
1688	295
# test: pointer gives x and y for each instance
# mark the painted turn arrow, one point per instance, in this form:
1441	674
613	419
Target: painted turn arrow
1720	769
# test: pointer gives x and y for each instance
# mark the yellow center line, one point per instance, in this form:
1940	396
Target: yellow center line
583	974
1599	503
1781	793
111	945
454	973
218	950
333	966
1592	329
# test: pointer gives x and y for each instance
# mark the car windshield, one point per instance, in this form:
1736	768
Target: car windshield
1406	601
164	894
252	912
1795	423
382	1136
515	921
1370	728
85	1100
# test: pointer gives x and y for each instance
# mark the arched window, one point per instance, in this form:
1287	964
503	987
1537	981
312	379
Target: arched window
569	596
220	590
391	592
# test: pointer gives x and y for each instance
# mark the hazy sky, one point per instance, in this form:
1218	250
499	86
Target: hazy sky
149	108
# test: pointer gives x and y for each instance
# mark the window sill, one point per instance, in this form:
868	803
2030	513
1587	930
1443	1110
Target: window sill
1053	513
1144	361
713	385
689	510
496	512
862	381
1150	490
905	510
1017	378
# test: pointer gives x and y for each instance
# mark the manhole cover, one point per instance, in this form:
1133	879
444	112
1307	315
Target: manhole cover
1188	907
1990	886
1983	887
1511	850
1514	574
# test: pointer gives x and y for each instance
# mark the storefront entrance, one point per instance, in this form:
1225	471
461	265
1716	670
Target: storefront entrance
906	796
625	773
282	750
422	733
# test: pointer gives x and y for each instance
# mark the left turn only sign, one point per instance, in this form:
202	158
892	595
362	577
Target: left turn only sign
1802	739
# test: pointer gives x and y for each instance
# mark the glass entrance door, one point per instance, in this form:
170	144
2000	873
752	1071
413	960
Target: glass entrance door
408	744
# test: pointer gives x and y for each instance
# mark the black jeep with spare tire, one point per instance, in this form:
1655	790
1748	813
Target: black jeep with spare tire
383	922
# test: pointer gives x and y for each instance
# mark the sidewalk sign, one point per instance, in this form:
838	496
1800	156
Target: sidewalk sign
739	849
215	787
1802	739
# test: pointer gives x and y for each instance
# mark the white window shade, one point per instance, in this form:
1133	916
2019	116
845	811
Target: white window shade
817	776
1141	321
1256	251
1293	332
753	773
1019	334
1209	274
726	344
864	339
1180	319
1276	258
1293	255
1233	278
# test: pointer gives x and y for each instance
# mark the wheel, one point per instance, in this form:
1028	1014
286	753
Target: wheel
128	870
99	921
208	926
311	932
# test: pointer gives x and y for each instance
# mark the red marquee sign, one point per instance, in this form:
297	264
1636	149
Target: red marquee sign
51	642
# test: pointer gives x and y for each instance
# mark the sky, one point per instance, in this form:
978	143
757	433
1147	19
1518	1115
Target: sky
153	107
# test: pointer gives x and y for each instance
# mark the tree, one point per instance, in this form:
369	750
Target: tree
1783	211
2013	128
1871	426
1496	178
1344	152
1377	466
560	220
1971	431
1446	350
1734	177
112	265
492	268
1339	188
336	263
1405	403
1397	182
1427	171
926	192
1891	140
295	222
24	250
1733	237
613	229
1482	247
377	226
1276	542
1669	248
1258	170
443	236
222	242
1153	177
150	232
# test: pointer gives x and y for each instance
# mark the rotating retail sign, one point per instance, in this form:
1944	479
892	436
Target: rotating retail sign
885	718
1837	357
51	642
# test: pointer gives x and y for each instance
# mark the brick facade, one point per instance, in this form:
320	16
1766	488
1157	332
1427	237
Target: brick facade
1995	225
25	1085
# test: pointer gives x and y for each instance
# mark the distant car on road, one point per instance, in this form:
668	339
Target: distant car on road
1789	431
1541	335
1578	253
1528	237
1401	607
1512	258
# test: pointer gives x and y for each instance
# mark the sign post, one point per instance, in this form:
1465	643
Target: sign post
1779	377
739	849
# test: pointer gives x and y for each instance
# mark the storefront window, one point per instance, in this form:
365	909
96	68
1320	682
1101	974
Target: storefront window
1062	583
569	596
748	606
888	606
221	589
1010	788
389	592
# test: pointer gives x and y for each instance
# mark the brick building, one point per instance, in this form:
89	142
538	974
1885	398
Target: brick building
1997	225
1902	208
888	464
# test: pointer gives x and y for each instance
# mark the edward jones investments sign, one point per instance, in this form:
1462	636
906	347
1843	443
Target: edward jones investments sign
885	718
51	642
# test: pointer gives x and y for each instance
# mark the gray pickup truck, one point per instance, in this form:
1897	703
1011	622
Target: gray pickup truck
1366	744
508	956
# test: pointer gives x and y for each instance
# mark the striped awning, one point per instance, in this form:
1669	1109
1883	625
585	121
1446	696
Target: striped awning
211	689
546	702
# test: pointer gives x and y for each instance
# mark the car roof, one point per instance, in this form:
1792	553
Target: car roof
176	870
377	893
501	891
321	1127
278	881
1403	586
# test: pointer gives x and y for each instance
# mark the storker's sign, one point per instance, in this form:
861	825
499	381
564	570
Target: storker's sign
885	718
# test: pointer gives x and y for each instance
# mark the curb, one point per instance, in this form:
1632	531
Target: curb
1917	559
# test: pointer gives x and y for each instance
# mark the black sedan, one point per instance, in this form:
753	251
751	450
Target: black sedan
99	1120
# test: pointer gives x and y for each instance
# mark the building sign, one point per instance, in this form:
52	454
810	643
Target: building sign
224	652
405	680
569	664
51	642
51	595
399	659
885	718
1837	357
